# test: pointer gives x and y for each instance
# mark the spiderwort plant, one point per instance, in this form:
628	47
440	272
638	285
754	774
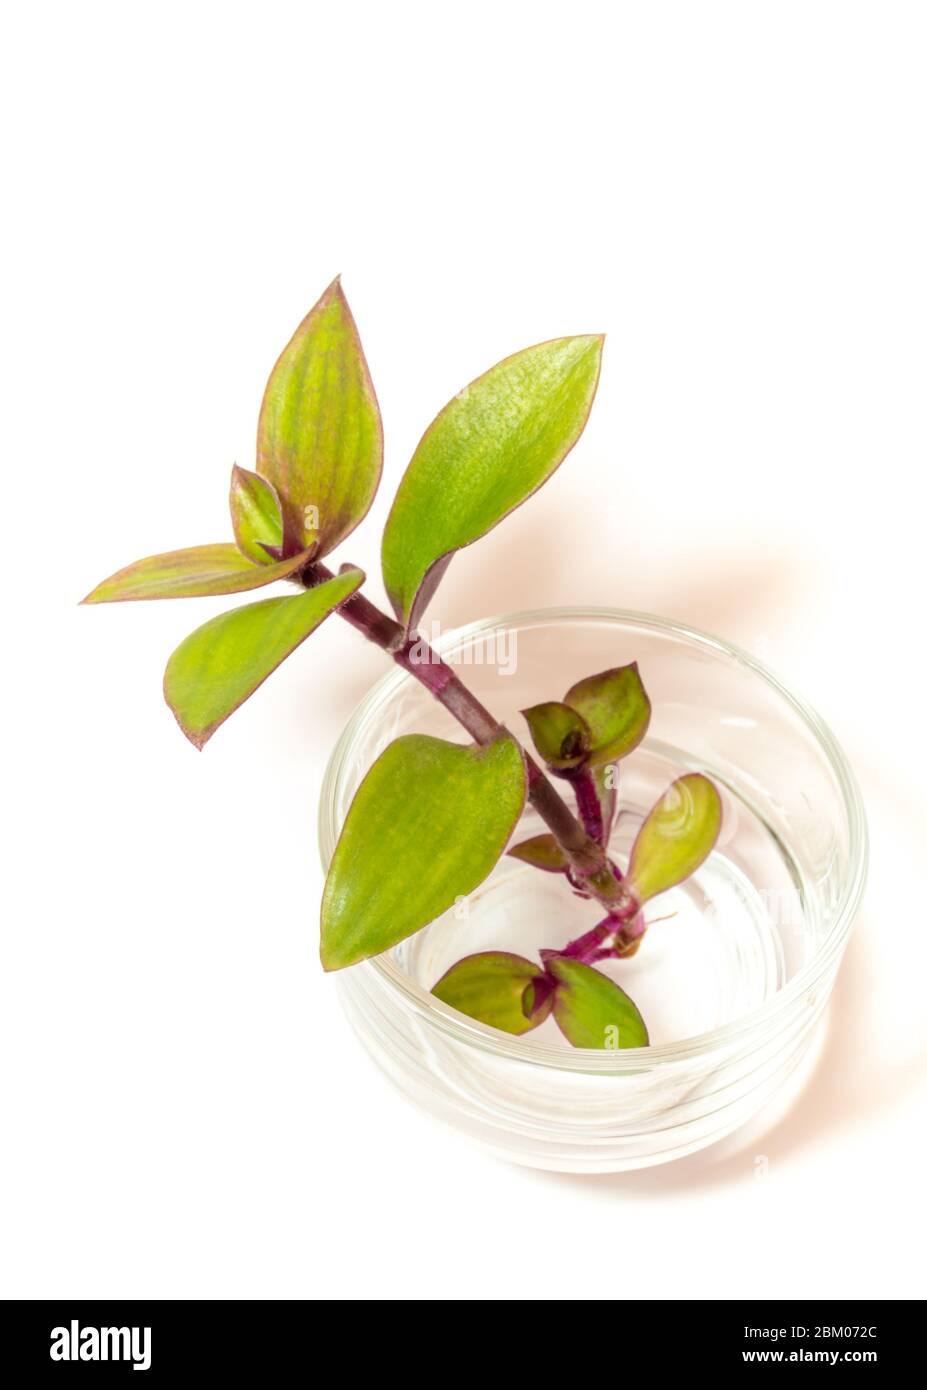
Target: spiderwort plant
432	818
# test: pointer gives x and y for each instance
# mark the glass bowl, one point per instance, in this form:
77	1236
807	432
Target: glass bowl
733	978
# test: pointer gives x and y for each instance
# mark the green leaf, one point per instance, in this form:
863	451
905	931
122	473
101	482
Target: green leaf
256	516
426	826
560	735
591	1010
488	450
320	441
677	836
543	852
194	573
616	708
218	666
491	987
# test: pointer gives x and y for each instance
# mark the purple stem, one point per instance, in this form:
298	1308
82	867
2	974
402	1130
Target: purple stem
410	651
588	946
612	937
587	801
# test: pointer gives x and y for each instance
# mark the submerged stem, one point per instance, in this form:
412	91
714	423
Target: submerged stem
612	937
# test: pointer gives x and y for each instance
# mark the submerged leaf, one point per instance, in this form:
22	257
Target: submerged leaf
616	708
194	573
218	666
491	987
256	516
426	826
488	450
560	735
677	836
543	852
591	1010
320	441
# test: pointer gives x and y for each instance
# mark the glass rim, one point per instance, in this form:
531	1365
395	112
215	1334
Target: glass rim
773	1013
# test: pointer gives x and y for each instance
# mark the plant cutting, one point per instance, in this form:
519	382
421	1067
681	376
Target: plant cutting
432	818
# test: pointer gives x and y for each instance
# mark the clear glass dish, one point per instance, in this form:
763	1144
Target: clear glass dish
731	983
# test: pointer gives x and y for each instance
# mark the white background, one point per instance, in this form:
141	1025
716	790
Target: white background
735	193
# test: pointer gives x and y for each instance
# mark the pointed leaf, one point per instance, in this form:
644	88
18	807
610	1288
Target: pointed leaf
218	666
616	708
491	987
678	834
320	441
591	1010
560	735
256	516
488	450
543	852
426	826
194	573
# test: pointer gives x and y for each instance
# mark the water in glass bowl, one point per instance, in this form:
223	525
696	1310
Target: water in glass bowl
721	943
